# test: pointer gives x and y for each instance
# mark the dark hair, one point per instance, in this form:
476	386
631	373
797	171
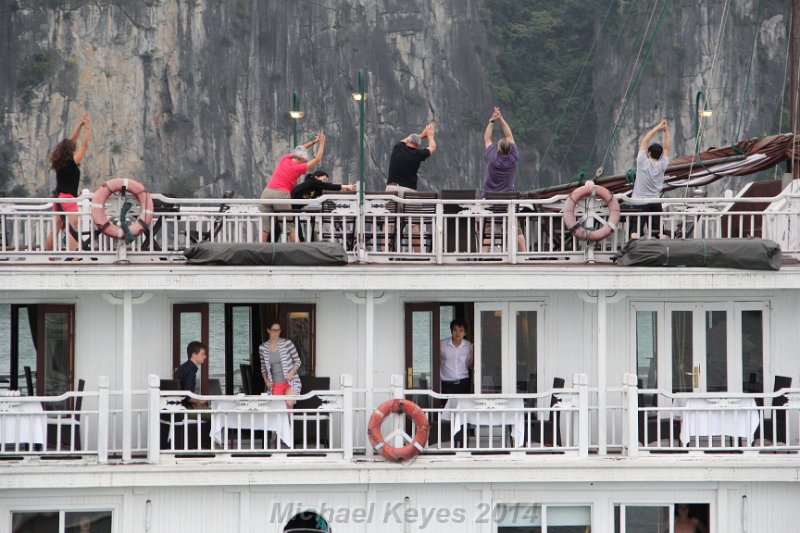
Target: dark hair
272	323
316	174
63	153
194	347
655	150
458	322
504	147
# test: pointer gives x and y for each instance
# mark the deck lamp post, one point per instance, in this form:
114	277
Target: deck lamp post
700	113
296	114
360	97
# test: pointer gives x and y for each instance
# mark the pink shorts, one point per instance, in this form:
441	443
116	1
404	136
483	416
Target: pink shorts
281	389
67	207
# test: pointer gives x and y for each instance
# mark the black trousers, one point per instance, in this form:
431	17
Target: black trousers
462	386
653	222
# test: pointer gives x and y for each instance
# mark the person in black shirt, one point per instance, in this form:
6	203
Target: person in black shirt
65	160
187	372
314	185
407	156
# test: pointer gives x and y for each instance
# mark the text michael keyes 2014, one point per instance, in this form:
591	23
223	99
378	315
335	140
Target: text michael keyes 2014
401	513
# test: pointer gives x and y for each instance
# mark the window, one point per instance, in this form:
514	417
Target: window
528	518
701	347
233	333
90	521
662	518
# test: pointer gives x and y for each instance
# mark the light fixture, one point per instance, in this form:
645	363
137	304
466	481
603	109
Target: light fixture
705	113
296	114
357	96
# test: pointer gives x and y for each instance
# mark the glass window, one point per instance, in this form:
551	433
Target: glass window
491	351
716	351
656	518
422	349
682	351
526	351
647	348
216	341
529	518
242	342
61	522
753	351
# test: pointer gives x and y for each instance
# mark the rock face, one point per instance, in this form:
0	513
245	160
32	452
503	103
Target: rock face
192	96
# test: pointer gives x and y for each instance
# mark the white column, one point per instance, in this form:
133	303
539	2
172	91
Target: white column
346	384
102	419
369	363
127	373
631	399
153	419
602	363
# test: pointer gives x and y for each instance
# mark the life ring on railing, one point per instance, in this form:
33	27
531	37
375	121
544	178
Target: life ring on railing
576	227
123	230
411	449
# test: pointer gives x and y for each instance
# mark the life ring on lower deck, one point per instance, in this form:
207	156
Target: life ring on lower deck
411	449
576	227
123	230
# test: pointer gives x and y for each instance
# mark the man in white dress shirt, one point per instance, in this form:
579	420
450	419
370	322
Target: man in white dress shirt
456	359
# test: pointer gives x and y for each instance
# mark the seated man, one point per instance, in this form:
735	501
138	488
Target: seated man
187	373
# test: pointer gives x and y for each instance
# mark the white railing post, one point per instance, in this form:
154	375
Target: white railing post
512	233
438	239
581	382
630	395
348	416
397	394
102	419
153	419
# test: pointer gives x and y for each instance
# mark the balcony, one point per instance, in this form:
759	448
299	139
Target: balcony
387	229
153	425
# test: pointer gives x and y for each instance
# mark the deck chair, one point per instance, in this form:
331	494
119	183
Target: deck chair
494	231
185	425
778	434
416	227
311	428
655	430
548	432
210	234
29	381
247	378
64	430
161	208
338	227
380	222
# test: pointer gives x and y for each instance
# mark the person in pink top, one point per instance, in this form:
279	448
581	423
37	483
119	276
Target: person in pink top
284	178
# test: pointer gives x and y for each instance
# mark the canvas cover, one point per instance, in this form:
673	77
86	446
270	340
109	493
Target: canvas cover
751	254
277	254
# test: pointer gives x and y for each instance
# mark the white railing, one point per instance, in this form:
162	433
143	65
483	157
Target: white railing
658	421
389	228
482	423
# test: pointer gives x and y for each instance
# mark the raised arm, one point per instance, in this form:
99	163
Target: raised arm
650	134
487	135
80	152
74	136
506	129
667	143
431	138
320	151
312	142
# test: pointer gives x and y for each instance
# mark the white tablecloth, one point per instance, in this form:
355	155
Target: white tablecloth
247	414
479	413
29	427
732	422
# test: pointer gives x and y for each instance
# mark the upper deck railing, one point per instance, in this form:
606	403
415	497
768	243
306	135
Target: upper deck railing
391	229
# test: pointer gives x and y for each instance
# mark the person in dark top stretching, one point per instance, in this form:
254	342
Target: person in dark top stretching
314	185
187	372
407	156
65	160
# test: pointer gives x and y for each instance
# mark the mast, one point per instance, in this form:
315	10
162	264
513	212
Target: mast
794	119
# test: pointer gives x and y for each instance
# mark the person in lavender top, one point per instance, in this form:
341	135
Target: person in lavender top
501	163
501	160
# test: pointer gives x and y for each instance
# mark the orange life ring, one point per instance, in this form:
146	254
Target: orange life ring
411	449
122	185
576	227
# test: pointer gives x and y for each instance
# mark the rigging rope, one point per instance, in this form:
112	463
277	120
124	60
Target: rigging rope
783	91
567	152
635	82
749	70
574	88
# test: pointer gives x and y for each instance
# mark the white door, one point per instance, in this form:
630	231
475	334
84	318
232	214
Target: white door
701	347
508	341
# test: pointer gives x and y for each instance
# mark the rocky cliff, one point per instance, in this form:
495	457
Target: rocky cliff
192	96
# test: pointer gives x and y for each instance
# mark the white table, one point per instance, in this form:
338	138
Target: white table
249	413
22	422
488	412
739	420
